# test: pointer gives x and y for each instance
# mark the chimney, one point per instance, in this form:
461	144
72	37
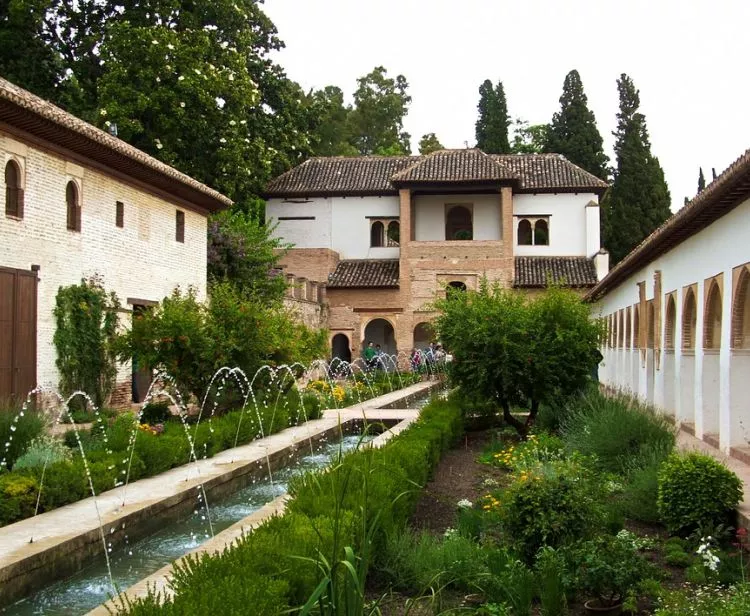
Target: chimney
601	263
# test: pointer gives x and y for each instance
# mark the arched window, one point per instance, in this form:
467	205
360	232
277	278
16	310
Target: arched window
74	207
712	322
628	329
669	324
541	233
456	285
741	313
377	234
458	225
394	231
689	317
524	233
616	317
651	323
637	327
13	190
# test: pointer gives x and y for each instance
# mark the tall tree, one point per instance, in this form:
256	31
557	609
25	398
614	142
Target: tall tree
701	179
639	199
329	136
573	132
376	123
493	121
529	138
429	143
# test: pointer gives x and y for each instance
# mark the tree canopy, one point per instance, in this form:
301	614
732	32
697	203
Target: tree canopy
529	139
430	143
573	132
493	121
639	200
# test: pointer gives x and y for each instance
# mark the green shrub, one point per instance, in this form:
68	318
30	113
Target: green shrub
18	430
64	482
616	431
553	582
537	448
18	495
551	505
510	582
694	490
678	558
639	498
155	413
43	450
710	601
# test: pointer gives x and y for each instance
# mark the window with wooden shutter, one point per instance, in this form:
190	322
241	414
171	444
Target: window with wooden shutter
119	214
180	230
13	190
73	207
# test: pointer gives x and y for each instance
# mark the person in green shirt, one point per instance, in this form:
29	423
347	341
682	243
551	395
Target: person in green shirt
370	354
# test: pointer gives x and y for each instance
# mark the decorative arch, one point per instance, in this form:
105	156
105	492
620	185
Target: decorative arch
712	320
72	201
423	335
651	324
457	285
689	319
628	329
741	312
380	330
340	347
458	223
541	233
393	234
670	323
636	327
616	332
524	233
13	189
377	234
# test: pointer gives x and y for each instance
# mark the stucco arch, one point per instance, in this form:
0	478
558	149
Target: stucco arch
741	311
689	319
670	323
712	320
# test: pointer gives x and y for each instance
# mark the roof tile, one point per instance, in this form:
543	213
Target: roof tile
467	165
362	273
539	272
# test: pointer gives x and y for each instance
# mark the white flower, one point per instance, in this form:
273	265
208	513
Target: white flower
159	146
222	140
197	72
232	123
450	532
158	80
243	121
182	104
170	46
181	77
103	112
154	42
220	102
464	504
231	77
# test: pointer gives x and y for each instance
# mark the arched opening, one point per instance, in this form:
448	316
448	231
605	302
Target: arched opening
616	332
340	347
423	335
651	323
13	190
73	207
458	224
712	323
380	333
456	285
741	313
541	233
669	324
524	233
377	234
393	233
689	317
637	327
628	329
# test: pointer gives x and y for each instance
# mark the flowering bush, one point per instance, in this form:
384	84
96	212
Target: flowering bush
536	448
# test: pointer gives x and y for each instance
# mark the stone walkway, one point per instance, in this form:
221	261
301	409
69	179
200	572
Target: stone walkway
687	442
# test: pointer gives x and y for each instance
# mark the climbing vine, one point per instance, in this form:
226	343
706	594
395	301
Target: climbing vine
86	326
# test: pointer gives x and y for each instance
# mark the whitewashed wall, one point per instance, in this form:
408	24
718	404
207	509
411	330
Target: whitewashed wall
706	388
567	223
142	260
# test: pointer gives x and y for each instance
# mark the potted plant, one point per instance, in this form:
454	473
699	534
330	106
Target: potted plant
607	568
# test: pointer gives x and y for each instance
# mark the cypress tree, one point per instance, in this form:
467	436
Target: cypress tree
573	132
701	180
492	124
639	199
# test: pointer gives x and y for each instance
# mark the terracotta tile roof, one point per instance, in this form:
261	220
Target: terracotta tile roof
538	272
23	110
546	172
721	196
381	175
449	166
362	273
340	175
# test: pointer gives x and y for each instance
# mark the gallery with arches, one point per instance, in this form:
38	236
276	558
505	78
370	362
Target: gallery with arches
677	315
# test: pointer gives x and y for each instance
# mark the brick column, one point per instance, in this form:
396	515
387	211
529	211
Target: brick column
290	285
313	295
322	293
301	288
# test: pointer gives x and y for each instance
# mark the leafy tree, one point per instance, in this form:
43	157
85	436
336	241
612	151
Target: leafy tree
701	180
241	251
377	120
493	122
639	199
329	135
85	330
516	350
573	132
529	139
429	143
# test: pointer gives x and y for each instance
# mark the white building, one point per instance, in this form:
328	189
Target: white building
79	202
677	310
388	233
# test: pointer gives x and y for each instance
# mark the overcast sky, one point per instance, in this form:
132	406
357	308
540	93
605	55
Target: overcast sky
688	58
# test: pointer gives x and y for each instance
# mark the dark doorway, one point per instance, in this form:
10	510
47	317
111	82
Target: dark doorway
18	296
142	374
456	286
340	347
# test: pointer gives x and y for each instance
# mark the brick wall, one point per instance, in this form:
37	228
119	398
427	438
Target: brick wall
311	263
141	260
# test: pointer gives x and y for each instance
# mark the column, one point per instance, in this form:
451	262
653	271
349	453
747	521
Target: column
725	366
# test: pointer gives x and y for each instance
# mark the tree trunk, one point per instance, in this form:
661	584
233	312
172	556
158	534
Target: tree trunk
512	421
533	411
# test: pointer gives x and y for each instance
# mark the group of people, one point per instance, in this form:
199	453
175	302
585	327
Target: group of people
373	355
425	359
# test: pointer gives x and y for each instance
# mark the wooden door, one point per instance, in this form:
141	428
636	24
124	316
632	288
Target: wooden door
18	307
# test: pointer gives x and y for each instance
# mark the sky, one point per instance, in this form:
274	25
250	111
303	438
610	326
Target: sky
687	58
